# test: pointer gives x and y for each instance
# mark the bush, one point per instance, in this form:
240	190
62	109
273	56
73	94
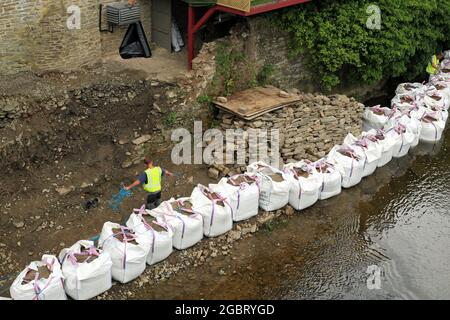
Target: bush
343	48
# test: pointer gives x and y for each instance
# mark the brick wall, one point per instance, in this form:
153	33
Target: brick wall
34	35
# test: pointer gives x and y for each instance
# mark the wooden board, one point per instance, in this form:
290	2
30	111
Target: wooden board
255	102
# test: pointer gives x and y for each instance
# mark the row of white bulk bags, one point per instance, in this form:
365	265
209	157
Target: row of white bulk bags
242	193
331	179
186	224
40	280
157	235
369	146
274	186
215	209
127	249
306	183
350	163
86	269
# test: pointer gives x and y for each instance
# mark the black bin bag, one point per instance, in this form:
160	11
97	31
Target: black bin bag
135	44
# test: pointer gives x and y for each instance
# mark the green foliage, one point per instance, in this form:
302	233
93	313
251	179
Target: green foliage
265	73
342	47
170	119
205	99
235	71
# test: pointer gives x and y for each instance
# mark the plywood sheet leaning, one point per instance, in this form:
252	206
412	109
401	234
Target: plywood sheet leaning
252	103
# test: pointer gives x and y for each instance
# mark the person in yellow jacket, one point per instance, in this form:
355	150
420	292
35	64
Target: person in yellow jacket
433	66
150	180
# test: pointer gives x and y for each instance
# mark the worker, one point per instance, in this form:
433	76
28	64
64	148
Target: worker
151	181
433	66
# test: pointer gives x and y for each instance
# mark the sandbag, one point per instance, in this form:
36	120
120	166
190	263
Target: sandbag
405	101
403	139
378	117
411	120
274	187
436	99
443	89
242	192
186	224
331	179
409	89
306	183
156	234
432	127
350	163
87	270
369	146
387	144
41	280
128	251
215	209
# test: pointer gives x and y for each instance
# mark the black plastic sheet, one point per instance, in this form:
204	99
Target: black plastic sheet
135	44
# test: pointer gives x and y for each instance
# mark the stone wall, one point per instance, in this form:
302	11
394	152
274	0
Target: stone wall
269	46
308	129
266	50
34	35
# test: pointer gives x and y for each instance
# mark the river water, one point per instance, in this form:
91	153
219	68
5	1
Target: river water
396	222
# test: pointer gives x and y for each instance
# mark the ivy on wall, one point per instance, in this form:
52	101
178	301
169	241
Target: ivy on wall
342	46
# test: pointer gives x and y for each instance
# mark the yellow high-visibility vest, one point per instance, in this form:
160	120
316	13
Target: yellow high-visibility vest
430	68
153	179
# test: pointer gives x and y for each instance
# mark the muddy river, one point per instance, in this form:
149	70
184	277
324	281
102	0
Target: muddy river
387	238
394	226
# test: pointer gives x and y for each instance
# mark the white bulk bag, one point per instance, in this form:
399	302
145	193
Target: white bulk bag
436	99
158	235
215	209
371	149
403	138
374	117
186	224
85	277
443	88
408	88
30	285
242	192
128	256
306	183
387	144
441	113
349	162
432	127
331	179
405	101
411	120
274	187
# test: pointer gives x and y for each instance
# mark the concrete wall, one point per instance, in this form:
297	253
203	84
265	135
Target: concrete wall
34	36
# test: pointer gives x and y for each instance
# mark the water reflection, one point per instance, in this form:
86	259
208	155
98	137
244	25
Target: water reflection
401	223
